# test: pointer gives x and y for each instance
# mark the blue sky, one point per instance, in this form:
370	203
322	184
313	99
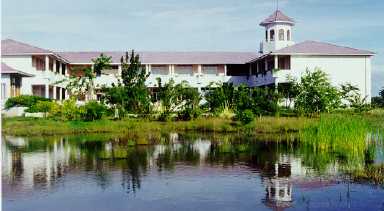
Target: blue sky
194	25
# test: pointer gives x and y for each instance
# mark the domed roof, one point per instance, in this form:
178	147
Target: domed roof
277	17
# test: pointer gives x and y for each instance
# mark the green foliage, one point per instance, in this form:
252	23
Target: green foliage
101	63
50	107
179	98
92	110
379	101
351	94
262	101
316	94
23	100
134	76
220	97
245	116
69	110
116	96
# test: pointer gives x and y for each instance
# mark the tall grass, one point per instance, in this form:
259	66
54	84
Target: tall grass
344	134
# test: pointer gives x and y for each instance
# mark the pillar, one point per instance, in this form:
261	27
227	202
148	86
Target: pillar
54	66
60	67
276	62
170	69
257	68
199	69
119	71
225	70
46	91
46	63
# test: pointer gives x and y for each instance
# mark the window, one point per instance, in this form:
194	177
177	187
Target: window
184	69
159	69
288	35
272	35
209	69
38	63
281	34
266	35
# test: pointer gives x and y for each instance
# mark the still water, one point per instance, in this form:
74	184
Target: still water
184	172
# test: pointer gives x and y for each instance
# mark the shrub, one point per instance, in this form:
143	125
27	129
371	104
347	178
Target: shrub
24	100
245	116
92	111
69	110
189	114
45	106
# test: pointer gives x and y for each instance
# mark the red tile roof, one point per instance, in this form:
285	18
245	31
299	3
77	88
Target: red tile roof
5	69
277	16
321	48
167	57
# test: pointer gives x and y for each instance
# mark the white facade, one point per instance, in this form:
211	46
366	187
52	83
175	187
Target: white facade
46	77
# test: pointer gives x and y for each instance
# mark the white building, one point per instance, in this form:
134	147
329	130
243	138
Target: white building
45	67
278	58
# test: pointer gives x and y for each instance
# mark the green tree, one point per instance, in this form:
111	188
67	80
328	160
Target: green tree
81	82
220	97
316	94
117	97
352	96
134	76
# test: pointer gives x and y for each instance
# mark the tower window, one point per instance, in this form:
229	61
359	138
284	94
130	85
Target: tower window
266	35
288	35
272	35
281	34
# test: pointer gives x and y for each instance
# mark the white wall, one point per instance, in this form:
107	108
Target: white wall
24	63
341	69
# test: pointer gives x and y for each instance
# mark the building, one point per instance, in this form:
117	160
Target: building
44	67
279	57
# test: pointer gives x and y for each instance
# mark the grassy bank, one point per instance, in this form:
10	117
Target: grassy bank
44	127
327	130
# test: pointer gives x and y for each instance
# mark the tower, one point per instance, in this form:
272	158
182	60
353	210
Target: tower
278	32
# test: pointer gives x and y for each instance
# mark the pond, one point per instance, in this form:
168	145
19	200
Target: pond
184	172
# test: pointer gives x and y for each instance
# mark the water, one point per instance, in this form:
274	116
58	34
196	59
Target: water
194	172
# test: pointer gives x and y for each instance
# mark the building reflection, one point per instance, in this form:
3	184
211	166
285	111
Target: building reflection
40	164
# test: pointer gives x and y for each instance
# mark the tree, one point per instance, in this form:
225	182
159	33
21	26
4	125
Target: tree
180	98
220	97
316	94
117	97
134	76
81	81
351	94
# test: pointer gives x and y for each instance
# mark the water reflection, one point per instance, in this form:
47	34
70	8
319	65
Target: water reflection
284	169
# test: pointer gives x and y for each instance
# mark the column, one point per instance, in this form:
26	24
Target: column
276	62
46	91
149	68
225	70
170	69
46	63
60	67
199	69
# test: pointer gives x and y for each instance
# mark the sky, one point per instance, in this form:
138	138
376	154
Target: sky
194	25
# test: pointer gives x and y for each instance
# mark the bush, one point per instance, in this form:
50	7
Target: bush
24	100
245	116
69	110
189	114
45	106
92	111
